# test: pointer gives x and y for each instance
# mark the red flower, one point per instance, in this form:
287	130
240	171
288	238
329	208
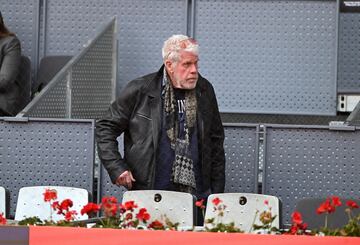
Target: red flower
55	205
110	209
326	207
266	202
109	200
70	215
336	201
216	201
352	204
296	218
2	219
200	203
156	225
130	205
50	194
293	229
66	204
129	216
109	205
90	208
143	215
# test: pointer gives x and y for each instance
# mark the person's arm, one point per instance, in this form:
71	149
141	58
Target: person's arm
217	153
112	125
10	65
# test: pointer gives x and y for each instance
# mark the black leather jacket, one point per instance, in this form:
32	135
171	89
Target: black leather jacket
137	113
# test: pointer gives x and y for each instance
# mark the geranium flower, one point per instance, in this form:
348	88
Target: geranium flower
66	204
216	201
326	207
110	209
336	201
128	206
110	199
55	205
156	225
297	227
200	203
143	215
128	216
2	219
296	218
352	204
109	205
90	208
49	195
70	215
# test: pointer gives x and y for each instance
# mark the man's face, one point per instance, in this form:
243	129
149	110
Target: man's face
184	73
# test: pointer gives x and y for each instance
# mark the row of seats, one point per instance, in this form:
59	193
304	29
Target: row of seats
243	209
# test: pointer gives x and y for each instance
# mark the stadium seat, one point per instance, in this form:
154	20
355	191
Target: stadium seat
242	208
31	202
176	206
2	201
308	206
48	68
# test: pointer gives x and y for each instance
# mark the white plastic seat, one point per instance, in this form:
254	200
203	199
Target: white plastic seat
241	209
176	206
2	201
31	202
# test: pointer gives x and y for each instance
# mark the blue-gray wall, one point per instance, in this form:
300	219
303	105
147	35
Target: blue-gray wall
262	56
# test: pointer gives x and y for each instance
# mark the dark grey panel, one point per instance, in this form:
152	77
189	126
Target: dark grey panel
270	56
143	26
241	152
349	53
305	161
46	152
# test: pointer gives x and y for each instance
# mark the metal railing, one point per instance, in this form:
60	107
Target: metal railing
85	86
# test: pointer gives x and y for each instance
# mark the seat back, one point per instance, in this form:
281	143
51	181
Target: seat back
176	206
48	68
2	201
243	208
308	206
24	79
31	202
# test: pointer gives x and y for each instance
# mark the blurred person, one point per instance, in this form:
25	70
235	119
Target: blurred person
10	59
173	134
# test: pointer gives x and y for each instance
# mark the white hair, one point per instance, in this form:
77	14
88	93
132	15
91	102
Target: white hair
176	43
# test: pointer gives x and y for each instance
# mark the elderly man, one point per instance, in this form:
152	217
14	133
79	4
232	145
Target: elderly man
173	134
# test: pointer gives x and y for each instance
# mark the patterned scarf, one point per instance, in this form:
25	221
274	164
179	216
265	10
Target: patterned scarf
183	175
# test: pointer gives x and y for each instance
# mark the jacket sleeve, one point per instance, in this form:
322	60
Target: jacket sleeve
10	65
111	126
217	153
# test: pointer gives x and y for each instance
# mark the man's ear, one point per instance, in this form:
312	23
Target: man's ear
169	66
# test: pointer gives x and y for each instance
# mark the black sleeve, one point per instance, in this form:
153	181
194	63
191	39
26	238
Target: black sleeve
217	153
111	126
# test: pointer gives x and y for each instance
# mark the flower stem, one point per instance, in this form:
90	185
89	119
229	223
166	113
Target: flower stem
326	221
252	225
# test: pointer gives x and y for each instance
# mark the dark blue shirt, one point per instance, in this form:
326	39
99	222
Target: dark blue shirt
166	155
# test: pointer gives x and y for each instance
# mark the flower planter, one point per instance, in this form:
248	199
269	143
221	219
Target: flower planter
41	235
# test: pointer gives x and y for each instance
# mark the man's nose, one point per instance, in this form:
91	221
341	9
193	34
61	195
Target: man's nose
194	68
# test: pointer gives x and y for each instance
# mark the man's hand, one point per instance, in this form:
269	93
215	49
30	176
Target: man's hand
125	179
